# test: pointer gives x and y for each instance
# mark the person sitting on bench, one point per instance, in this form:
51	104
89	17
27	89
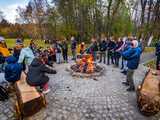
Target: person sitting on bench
36	74
12	70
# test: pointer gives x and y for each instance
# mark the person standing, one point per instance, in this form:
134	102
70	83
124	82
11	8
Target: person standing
4	53
58	52
102	49
132	55
118	49
17	49
65	51
110	50
27	55
158	56
73	47
93	48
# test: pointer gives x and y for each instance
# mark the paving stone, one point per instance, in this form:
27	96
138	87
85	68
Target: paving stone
105	99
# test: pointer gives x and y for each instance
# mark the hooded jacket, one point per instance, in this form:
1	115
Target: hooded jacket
132	55
12	70
36	74
27	55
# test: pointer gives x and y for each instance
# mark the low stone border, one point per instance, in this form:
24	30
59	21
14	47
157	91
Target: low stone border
85	75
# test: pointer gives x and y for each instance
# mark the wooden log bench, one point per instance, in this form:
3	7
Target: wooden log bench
148	94
29	100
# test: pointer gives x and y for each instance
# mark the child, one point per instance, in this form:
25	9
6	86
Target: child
12	70
36	74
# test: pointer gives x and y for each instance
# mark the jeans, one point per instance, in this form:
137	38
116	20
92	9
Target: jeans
94	55
74	54
103	56
58	58
110	55
124	64
65	56
130	80
117	57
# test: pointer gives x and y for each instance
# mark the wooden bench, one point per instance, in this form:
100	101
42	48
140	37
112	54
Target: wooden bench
29	100
148	94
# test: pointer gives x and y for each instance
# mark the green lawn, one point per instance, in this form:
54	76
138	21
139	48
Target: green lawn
11	43
149	49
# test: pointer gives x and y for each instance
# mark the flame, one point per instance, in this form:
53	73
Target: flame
86	64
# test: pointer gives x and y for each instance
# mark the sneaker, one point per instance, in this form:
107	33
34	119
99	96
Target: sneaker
124	72
46	91
131	89
125	83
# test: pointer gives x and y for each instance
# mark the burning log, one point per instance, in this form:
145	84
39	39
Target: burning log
148	94
86	67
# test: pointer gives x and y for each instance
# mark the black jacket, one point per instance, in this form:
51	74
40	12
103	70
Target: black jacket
36	74
103	46
158	49
111	45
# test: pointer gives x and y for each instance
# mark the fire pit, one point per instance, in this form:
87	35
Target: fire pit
86	67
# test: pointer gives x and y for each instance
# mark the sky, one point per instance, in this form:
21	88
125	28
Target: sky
8	7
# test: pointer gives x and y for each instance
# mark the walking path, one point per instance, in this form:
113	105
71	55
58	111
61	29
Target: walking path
147	57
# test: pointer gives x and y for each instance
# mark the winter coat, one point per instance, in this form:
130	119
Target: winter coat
103	46
93	48
158	49
26	55
132	55
4	51
58	48
111	45
65	47
12	70
36	74
16	53
73	45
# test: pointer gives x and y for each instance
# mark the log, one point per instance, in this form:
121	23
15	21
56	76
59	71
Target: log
29	100
148	94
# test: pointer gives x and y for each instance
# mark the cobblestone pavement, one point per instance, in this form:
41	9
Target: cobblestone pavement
74	98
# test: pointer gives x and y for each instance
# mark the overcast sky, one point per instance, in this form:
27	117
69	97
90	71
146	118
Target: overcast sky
8	7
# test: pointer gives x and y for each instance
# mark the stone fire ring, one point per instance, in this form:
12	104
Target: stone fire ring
86	75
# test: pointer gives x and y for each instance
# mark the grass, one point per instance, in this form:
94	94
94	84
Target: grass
149	49
11	43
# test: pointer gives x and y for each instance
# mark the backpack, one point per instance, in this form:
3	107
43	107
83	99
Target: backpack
3	94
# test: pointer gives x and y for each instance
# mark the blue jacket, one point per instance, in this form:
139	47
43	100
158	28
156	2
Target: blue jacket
132	55
12	70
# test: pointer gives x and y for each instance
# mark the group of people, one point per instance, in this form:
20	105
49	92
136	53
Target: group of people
35	61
